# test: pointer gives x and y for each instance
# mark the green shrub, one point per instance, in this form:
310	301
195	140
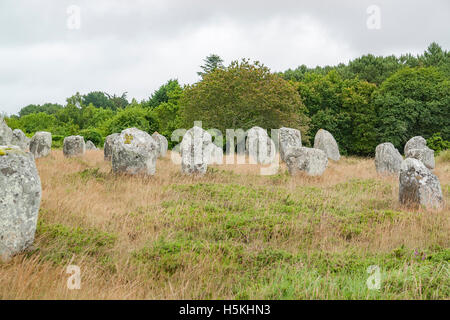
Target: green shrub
437	143
94	135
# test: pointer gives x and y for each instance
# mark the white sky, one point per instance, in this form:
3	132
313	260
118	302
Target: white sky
135	46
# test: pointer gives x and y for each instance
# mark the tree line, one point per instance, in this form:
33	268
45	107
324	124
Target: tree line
365	102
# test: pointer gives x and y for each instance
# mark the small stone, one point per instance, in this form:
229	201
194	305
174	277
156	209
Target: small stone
6	134
426	155
90	145
41	144
310	160
74	146
163	144
289	138
418	186
417	142
259	146
107	147
21	192
195	151
387	159
20	139
326	142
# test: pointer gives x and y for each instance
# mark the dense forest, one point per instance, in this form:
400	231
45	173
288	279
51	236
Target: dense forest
365	102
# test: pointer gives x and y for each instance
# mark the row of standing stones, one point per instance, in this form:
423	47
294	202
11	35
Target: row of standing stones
135	152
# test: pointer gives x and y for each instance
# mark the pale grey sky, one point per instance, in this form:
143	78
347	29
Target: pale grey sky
137	45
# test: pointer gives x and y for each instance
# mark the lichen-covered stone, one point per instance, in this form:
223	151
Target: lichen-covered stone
74	146
90	145
20	189
259	146
162	142
107	147
288	138
195	151
417	142
425	154
418	186
214	154
310	160
387	159
41	144
326	142
6	134
20	139
134	152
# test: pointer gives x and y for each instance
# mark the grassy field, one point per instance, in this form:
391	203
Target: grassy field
232	234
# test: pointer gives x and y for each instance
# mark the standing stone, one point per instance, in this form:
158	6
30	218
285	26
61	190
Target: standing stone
107	147
418	186
20	139
325	141
195	152
74	146
387	159
41	144
312	161
288	138
134	152
20	199
6	134
214	154
163	144
417	142
90	145
259	146
417	148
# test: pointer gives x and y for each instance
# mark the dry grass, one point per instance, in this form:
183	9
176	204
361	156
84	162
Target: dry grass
229	234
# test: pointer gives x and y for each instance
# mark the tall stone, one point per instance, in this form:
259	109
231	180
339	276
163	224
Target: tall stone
107	147
417	142
134	152
387	159
41	144
162	142
417	148
195	151
74	146
326	142
259	146
418	186
6	134
20	139
288	138
312	161
20	189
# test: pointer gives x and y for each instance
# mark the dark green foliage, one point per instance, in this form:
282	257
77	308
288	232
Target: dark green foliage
437	143
94	135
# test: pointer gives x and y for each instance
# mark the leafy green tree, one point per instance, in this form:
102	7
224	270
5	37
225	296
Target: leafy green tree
243	95
98	99
437	143
212	62
41	121
132	116
49	108
170	89
413	101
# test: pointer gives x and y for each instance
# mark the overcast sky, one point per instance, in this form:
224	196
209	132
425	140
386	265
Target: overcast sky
136	46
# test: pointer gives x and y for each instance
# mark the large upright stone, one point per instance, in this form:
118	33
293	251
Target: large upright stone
326	142
214	154
417	142
6	133
418	186
288	138
162	142
74	146
90	145
259	146
387	159
417	148
195	151
20	189
312	161
134	152
41	144
107	147
20	139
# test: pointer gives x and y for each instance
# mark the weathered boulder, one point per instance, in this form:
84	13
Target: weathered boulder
195	151
107	147
387	159
90	145
20	139
312	161
74	146
162	142
288	138
259	146
426	155
41	144
326	142
134	152
20	199
417	142
418	186
6	134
